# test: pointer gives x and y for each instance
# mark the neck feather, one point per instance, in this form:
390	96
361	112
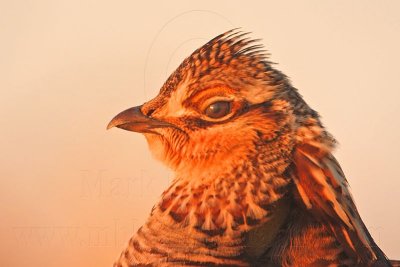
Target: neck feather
227	198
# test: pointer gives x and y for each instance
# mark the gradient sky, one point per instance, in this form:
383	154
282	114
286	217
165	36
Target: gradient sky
72	193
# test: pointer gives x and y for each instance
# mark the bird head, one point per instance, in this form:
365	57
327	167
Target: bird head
221	104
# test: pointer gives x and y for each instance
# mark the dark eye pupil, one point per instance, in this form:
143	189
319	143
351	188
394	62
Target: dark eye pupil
218	109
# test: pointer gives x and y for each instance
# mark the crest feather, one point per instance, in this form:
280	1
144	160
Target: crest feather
230	45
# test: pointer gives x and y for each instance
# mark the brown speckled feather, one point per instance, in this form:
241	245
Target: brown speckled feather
255	180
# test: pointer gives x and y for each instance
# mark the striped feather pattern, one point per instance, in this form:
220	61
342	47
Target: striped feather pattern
256	186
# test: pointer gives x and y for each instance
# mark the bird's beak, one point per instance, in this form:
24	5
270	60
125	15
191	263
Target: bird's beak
134	120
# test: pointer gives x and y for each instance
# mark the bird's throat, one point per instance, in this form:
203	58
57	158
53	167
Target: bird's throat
234	200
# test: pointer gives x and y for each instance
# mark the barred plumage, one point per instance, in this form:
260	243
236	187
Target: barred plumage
256	183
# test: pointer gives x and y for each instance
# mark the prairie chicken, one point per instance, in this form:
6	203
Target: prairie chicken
255	183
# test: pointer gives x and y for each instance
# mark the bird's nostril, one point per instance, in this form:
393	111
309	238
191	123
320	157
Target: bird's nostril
149	112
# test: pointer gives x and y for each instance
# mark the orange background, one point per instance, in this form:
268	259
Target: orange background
72	193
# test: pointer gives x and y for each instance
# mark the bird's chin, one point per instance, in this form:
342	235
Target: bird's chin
162	149
153	139
158	146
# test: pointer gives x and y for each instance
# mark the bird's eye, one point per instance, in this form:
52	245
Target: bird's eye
218	109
